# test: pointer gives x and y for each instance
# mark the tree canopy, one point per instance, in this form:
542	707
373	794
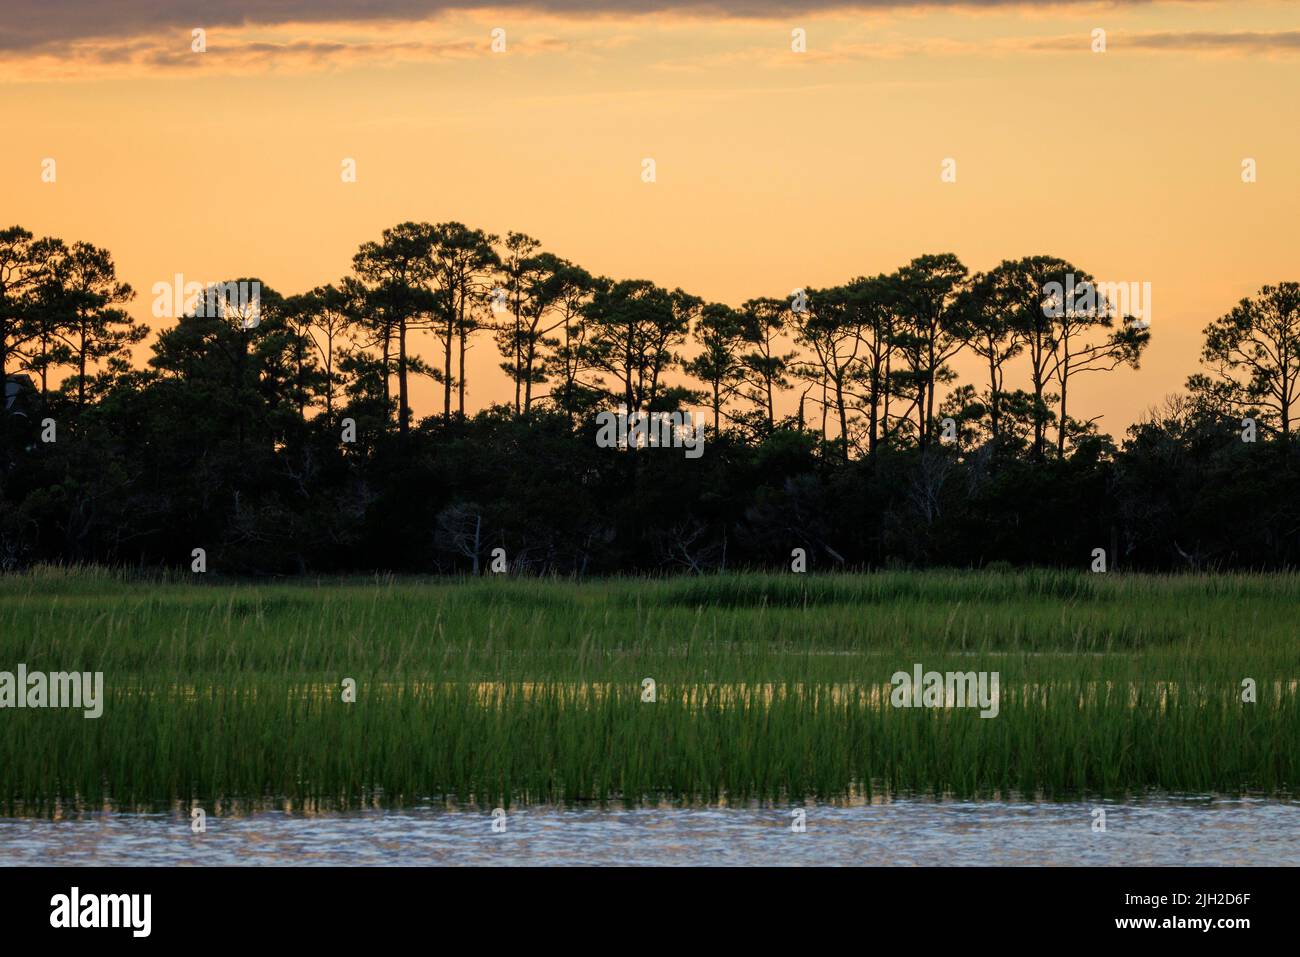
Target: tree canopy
286	441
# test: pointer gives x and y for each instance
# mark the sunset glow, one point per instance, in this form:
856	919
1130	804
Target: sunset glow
775	169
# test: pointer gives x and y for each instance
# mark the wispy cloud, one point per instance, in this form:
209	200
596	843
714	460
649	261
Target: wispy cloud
258	50
250	46
32	24
1238	43
1283	43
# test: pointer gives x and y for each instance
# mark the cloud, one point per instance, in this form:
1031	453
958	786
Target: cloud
35	24
1285	41
891	48
328	34
1233	43
254	50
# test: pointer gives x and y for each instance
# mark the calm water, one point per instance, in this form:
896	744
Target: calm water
1218	831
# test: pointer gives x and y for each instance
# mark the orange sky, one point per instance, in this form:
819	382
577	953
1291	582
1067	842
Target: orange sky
774	169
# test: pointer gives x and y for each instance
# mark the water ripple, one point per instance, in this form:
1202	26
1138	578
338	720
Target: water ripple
1186	831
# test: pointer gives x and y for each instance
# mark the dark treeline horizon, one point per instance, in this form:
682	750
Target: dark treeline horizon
278	435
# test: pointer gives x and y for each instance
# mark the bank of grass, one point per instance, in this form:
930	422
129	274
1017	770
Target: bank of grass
769	687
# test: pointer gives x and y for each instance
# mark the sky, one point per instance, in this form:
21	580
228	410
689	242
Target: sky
774	169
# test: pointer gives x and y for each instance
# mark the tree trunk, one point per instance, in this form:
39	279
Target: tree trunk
844	416
993	392
1060	426
771	413
403	412
529	358
1039	422
825	405
448	337
519	359
4	392
388	348
81	371
886	387
329	377
460	383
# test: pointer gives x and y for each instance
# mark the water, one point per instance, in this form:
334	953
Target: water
1189	831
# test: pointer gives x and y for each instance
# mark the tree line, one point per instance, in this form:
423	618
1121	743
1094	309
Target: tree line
284	441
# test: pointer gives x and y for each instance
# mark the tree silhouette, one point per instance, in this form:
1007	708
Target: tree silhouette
228	434
1018	288
928	295
397	268
1089	312
1254	350
720	330
985	324
831	328
635	325
83	293
565	364
877	308
763	370
462	260
24	264
518	269
326	317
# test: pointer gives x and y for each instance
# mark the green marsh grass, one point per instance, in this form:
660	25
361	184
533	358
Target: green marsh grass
769	688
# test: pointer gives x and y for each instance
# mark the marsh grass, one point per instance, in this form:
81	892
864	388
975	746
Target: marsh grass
494	691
